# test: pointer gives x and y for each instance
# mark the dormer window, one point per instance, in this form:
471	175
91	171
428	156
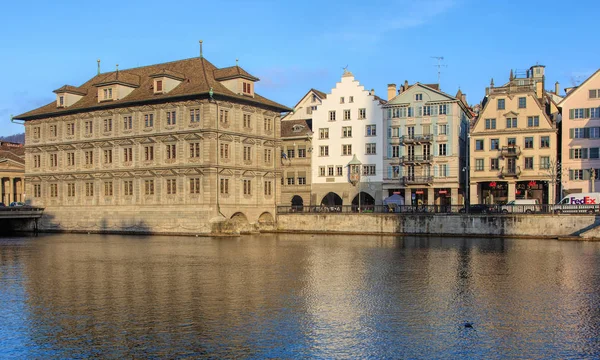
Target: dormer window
297	128
247	88
419	97
159	86
108	95
68	95
166	80
61	101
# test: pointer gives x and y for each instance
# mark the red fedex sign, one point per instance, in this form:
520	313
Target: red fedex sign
585	201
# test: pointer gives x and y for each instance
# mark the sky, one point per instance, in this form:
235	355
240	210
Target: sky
293	46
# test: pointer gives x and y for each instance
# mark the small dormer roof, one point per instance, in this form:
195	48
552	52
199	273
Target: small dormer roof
121	78
169	74
233	72
70	90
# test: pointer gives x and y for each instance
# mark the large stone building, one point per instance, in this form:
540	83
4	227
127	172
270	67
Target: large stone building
580	135
173	147
296	139
426	144
348	146
12	172
513	142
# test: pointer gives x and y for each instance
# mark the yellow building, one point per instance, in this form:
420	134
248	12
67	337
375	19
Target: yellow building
513	142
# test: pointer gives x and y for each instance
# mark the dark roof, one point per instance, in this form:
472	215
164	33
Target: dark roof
119	77
16	154
169	74
320	94
70	89
288	127
199	79
381	101
433	86
233	72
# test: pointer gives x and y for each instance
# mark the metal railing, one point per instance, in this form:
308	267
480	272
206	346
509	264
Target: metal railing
411	180
510	150
510	172
415	159
416	138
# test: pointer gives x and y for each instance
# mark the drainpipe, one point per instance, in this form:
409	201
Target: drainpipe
218	190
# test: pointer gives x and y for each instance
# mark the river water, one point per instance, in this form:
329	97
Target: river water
297	296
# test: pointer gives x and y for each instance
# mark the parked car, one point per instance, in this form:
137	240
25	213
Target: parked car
521	205
478	209
17	204
578	203
2	204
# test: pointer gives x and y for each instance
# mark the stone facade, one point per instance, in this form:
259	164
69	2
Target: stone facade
172	165
12	173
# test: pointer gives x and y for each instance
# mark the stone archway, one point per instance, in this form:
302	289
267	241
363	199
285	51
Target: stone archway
297	203
266	218
331	199
366	202
239	222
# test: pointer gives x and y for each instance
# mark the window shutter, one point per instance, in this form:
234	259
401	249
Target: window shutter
586	174
586	113
400	171
436	149
389	151
447	170
571	151
584	153
570	174
435	171
390	172
435	130
572	114
399	131
586	133
389	132
571	133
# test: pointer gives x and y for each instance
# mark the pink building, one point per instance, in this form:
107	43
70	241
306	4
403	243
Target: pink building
581	137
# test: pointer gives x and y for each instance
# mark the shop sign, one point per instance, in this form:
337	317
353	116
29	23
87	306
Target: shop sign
419	192
443	192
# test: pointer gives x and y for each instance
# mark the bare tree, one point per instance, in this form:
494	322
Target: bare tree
553	172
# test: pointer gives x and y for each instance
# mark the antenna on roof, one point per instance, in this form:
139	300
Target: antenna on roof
117	71
237	61
439	66
98	66
201	56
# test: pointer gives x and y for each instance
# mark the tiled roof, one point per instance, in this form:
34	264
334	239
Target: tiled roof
292	128
70	89
16	154
320	94
169	74
233	72
119	77
199	79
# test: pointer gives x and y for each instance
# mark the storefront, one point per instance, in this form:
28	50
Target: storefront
494	192
419	197
532	190
443	196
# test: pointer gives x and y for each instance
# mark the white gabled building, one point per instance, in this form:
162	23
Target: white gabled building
348	124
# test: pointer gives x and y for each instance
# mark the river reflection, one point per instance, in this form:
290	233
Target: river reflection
297	296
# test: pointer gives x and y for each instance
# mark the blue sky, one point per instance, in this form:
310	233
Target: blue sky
293	46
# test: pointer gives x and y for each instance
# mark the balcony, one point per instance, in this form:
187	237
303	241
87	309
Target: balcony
416	139
416	159
510	172
417	180
510	151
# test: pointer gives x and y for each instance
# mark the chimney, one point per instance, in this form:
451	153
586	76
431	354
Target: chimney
391	91
539	89
405	85
372	92
464	99
557	88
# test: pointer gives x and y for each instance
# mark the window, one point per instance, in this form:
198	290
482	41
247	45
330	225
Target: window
369	170
108	156
268	124
577	154
324	133
478	164
148	187
594	153
511	123
89	157
108	188
246	120
171	117
314	98
395	151
544	142
494	164
321	170
443	170
594	93
545	162
533	121
341	100
89	128
70	189
332	115
522	102
107	94
37	161
247	88
171	186
128	187
490	124
247	187
577	174
339	170
53	131
351	99
346	114
501	104
442	149
53	160
494	144
71	129
159	86
61	100
529	163
370	130
224	151
579	133
347	149
370	149
512	141
148	153
346	131
290	179
70	159
36	132
224	116
362	114
127	122
479	144
595	112
418	97
301	153
53	190
89	189
148	120
269	186
330	170
443	129
194	115
248	153
195	185
267	155
37	190
224	186
171	151
529	142
443	109
107	125
577	113
324	150
195	150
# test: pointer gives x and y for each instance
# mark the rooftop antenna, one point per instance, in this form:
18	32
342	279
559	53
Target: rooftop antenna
439	66
200	49
98	66
237	61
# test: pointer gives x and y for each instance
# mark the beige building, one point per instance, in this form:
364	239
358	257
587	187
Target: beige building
174	147
12	172
296	138
513	142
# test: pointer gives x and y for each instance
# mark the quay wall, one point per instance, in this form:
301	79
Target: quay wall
582	226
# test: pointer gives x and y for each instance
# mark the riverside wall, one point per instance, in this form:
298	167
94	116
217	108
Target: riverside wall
575	227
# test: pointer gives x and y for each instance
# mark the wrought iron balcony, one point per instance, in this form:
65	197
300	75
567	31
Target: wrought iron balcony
417	180
416	139
416	159
508	172
510	151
